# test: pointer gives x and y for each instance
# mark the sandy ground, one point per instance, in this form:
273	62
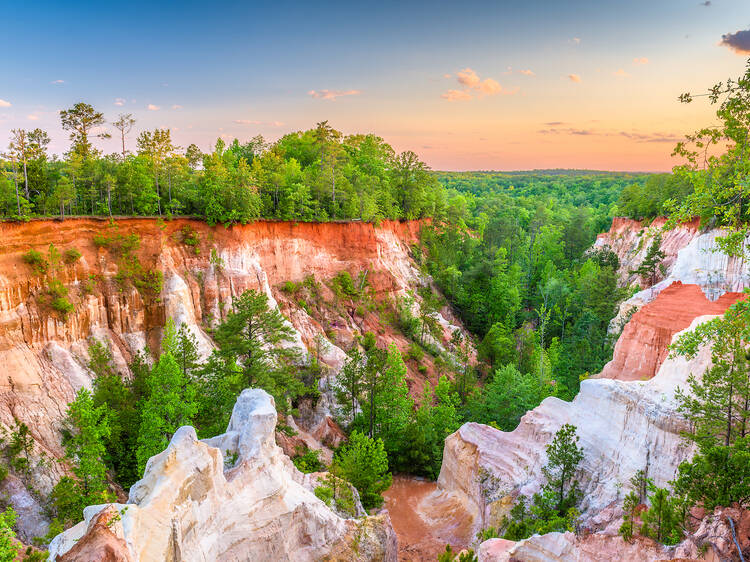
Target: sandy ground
422	532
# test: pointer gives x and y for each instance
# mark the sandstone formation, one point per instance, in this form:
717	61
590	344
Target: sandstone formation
44	357
193	503
623	427
643	345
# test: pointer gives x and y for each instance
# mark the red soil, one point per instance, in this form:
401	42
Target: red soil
643	344
422	535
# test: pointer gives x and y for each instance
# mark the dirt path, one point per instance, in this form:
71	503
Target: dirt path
423	528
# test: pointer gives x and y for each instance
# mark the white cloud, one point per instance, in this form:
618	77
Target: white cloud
527	72
176	106
640	60
58	82
33	117
119	101
4	103
574	77
152	107
332	94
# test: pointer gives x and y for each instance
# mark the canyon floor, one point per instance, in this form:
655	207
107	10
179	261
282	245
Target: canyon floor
423	531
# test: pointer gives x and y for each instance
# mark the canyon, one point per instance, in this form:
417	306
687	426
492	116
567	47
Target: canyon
626	414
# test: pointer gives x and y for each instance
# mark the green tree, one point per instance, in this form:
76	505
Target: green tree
652	265
349	384
256	338
80	120
563	457
87	429
9	545
364	462
664	520
170	405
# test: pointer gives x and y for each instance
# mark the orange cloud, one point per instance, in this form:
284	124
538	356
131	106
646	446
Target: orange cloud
640	60
4	103
152	107
332	94
574	77
621	73
527	72
471	82
739	41
456	95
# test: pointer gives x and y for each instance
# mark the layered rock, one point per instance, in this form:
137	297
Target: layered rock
232	497
644	343
44	357
623	427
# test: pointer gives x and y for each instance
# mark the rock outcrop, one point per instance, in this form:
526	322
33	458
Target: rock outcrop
196	502
623	427
644	343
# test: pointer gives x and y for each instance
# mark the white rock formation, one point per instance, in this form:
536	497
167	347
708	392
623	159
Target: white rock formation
623	427
189	507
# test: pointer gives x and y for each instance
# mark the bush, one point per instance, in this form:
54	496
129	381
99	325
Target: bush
63	306
309	461
37	261
291	288
364	462
188	236
118	244
71	255
415	352
56	289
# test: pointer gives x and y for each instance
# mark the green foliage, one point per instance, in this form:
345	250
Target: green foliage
9	547
189	236
318	174
37	261
664	520
252	344
87	429
464	556
71	256
651	266
716	167
171	404
554	509
364	462
630	506
309	461
507	396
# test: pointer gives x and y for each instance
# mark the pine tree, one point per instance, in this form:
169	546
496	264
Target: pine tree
349	385
84	441
563	457
364	462
171	404
651	266
256	338
9	546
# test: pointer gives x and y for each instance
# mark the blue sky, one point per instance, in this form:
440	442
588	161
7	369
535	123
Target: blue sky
467	85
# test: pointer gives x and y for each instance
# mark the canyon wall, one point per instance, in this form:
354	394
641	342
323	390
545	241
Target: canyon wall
235	496
44	357
626	416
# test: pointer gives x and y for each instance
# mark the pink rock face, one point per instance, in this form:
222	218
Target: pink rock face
644	342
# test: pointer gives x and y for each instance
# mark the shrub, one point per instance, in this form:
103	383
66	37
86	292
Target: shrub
71	255
415	352
188	236
343	285
56	289
63	306
118	244
309	461
422	369
324	493
290	287
37	261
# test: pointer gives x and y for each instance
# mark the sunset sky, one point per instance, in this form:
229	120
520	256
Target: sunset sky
501	85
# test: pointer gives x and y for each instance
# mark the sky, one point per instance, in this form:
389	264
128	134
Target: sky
472	85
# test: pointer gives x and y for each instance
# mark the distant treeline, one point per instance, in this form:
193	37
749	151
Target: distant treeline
315	175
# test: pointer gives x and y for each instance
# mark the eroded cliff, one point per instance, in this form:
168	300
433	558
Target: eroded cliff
117	297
